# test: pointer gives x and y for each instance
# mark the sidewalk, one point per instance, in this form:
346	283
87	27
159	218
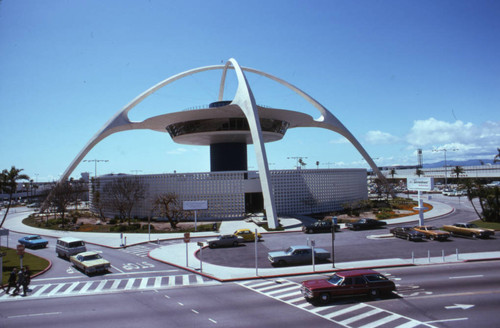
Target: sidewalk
185	255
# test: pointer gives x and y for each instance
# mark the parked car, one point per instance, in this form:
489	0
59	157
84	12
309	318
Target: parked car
433	233
224	241
90	262
319	226
347	283
407	233
365	224
468	229
247	234
33	241
297	255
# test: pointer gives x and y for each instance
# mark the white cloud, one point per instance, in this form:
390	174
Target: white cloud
177	151
339	141
467	140
379	137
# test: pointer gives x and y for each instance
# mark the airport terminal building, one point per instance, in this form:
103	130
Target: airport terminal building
233	195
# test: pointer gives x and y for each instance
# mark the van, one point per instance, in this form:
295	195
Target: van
68	246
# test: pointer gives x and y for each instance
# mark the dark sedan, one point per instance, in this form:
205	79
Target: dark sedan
365	224
319	226
407	233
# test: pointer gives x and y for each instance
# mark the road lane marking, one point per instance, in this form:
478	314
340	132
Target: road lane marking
33	315
212	320
41	290
446	320
117	269
467	277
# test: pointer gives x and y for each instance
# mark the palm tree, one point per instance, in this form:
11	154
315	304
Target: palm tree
8	183
392	172
497	156
458	170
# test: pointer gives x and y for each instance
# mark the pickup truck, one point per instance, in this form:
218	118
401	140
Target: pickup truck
297	255
468	229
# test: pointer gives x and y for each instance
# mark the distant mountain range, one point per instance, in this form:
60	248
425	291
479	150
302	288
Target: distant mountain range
469	162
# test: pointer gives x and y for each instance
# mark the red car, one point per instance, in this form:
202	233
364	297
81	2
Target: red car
347	283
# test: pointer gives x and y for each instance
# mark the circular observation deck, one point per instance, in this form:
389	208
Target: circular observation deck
222	122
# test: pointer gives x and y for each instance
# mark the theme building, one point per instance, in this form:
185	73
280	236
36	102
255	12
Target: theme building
228	127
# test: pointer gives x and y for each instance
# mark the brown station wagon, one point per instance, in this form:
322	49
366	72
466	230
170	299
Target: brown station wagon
347	283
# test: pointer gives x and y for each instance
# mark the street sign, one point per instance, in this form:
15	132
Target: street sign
20	250
191	205
420	184
187	237
4	232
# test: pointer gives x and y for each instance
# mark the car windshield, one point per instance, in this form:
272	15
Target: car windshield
472	225
335	279
34	237
289	250
92	257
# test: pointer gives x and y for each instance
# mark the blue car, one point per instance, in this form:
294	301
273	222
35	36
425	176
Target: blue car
33	241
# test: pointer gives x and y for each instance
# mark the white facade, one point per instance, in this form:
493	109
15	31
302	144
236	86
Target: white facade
295	191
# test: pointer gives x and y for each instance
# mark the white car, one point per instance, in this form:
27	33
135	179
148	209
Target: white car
90	262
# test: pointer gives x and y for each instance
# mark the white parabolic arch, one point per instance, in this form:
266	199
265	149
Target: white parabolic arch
244	98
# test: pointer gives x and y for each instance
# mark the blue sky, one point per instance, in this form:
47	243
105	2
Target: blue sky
400	75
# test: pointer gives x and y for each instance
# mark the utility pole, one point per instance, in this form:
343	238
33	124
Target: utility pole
444	150
135	171
299	160
95	161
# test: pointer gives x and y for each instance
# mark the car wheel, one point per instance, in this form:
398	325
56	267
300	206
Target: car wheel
474	236
408	238
374	293
432	237
281	263
308	231
211	246
324	298
235	243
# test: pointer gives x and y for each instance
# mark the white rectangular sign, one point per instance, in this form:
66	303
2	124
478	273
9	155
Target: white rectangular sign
422	184
191	205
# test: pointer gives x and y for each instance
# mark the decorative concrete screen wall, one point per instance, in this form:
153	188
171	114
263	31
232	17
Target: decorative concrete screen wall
296	191
317	191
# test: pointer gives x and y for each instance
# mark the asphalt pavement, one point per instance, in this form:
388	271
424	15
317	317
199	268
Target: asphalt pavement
189	256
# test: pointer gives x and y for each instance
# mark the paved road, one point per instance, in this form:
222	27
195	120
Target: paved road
426	297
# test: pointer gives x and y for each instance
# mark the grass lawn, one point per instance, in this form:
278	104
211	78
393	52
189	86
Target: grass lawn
488	225
11	260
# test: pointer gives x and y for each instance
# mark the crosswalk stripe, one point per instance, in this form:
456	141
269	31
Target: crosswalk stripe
284	290
171	281
130	283
86	287
56	289
382	321
101	285
41	290
144	283
346	310
115	284
157	282
70	288
360	316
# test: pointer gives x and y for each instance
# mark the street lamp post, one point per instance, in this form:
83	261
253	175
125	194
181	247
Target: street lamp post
444	150
95	166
